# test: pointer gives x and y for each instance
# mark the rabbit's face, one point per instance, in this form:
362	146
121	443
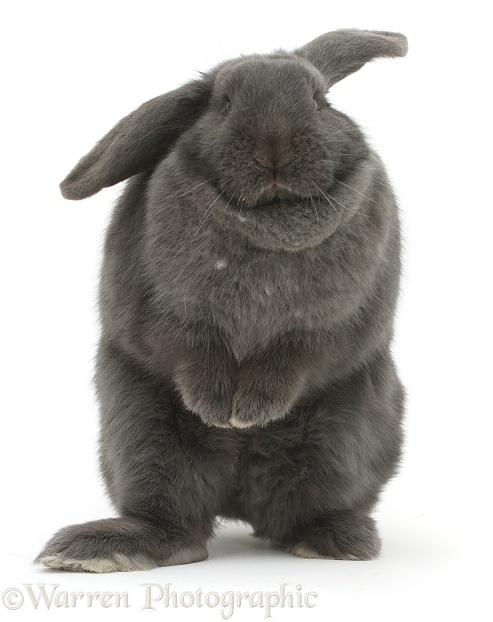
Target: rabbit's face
268	143
272	146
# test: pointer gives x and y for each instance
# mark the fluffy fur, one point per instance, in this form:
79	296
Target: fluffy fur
247	303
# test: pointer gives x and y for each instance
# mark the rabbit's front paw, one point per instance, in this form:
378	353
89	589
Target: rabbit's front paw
266	389
207	395
213	407
259	404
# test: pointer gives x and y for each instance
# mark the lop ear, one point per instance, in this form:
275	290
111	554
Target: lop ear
138	141
342	52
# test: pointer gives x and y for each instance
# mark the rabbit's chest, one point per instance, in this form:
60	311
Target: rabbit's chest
253	304
254	297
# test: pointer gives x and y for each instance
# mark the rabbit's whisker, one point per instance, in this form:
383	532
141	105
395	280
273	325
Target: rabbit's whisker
357	191
331	199
228	203
194	188
373	181
206	214
314	206
343	129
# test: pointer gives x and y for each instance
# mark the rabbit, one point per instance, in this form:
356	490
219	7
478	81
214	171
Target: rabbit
247	300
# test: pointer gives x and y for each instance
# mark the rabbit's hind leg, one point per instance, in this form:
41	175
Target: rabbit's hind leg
116	545
165	470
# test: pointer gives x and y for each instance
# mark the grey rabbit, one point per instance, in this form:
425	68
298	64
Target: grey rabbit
247	300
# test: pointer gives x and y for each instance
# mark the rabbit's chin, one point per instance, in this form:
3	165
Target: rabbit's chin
281	225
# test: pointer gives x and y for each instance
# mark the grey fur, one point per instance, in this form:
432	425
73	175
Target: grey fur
247	305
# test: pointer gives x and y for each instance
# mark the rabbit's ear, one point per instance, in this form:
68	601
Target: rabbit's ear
342	52
138	141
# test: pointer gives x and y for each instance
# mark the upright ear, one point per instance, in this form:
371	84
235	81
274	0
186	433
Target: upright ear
138	141
342	52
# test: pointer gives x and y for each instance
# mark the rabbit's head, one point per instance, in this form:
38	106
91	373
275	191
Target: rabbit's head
258	132
268	135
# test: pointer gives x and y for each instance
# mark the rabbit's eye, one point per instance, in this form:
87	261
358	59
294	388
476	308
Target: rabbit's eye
227	106
317	104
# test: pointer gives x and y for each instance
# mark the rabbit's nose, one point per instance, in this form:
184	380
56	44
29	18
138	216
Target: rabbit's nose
274	177
269	164
271	150
273	172
276	181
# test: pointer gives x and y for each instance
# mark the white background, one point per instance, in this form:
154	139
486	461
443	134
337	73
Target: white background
70	70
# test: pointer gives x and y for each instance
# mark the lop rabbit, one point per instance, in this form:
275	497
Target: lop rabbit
247	302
